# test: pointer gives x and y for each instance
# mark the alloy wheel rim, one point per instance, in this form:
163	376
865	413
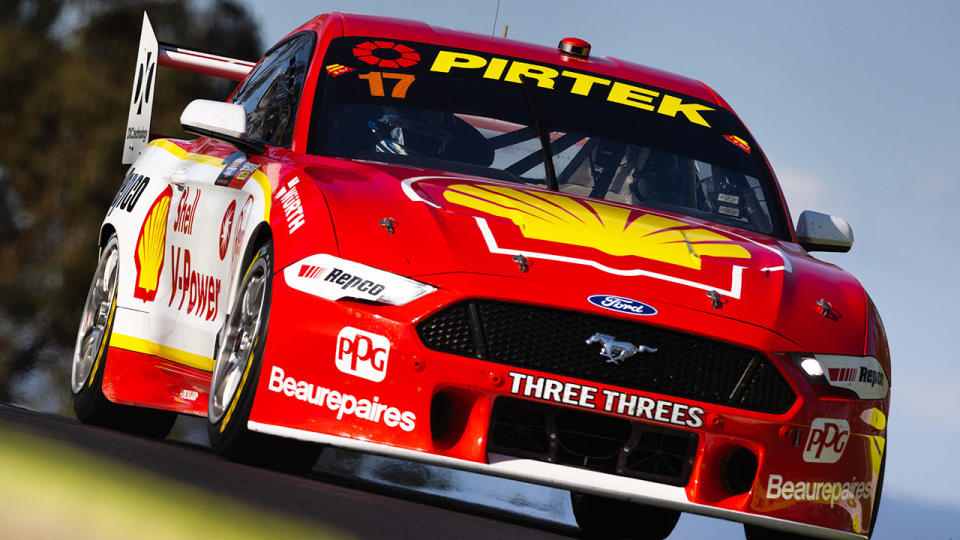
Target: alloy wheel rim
96	318
237	344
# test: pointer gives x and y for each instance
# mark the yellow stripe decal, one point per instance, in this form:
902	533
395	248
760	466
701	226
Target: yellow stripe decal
264	182
103	342
243	382
171	147
144	346
258	176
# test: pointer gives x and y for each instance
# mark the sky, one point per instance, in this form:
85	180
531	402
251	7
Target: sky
857	106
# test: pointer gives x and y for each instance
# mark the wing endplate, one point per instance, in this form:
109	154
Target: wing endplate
152	54
141	101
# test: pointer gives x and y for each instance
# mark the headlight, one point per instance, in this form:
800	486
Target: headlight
333	278
813	368
862	375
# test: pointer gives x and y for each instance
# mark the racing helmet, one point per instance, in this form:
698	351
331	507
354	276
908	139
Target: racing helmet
408	131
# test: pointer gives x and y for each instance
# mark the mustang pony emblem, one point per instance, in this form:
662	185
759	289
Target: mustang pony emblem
614	350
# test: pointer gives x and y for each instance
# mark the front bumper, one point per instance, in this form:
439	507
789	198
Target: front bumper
306	391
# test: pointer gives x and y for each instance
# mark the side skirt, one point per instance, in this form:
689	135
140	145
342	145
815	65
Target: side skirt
143	380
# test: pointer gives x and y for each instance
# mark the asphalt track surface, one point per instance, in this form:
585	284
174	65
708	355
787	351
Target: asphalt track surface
354	506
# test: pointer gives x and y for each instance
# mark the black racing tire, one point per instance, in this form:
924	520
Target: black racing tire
601	517
753	532
236	373
91	354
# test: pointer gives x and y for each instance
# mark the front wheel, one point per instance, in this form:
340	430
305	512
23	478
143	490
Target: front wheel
600	517
90	357
235	375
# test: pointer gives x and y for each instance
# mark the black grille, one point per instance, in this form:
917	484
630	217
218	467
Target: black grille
591	441
554	341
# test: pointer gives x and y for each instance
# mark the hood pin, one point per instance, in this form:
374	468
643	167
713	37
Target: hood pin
389	224
715	299
523	262
825	308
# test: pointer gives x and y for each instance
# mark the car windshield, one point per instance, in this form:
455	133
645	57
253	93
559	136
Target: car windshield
472	112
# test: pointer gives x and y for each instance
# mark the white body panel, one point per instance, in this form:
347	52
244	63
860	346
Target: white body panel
181	240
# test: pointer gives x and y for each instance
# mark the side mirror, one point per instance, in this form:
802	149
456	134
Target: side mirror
823	232
222	121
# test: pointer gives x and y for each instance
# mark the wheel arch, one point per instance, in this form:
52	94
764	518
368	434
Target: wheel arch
261	234
106	231
258	238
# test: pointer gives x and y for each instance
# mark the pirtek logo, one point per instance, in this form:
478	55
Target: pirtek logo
573	82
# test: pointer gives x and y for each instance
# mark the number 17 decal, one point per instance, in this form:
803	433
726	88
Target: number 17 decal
375	80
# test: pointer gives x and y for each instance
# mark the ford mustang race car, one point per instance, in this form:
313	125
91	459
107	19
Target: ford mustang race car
510	259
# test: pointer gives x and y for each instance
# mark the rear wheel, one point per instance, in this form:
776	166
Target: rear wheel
235	375
90	357
600	517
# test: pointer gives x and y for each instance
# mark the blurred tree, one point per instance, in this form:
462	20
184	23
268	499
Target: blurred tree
67	76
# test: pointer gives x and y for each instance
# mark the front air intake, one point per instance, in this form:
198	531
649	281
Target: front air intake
553	341
591	441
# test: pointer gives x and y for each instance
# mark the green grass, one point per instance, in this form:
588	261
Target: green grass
60	491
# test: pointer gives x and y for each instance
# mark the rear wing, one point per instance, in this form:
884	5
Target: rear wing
151	53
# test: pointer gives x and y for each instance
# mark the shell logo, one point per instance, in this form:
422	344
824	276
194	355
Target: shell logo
151	246
386	54
611	229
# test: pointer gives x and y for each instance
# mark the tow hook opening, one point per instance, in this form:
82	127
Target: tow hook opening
441	415
738	471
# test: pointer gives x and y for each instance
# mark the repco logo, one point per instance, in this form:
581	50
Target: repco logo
827	441
871	376
362	354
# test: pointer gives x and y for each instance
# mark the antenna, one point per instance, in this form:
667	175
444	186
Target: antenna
493	32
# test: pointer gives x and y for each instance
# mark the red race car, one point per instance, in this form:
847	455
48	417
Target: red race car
511	259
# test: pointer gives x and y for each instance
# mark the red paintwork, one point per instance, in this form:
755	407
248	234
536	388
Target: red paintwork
344	202
202	63
132	378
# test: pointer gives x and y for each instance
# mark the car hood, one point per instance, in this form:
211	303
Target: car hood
422	223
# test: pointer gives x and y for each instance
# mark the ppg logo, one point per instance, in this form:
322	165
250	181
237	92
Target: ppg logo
827	441
362	354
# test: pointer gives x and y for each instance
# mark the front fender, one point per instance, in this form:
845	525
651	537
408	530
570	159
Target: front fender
300	220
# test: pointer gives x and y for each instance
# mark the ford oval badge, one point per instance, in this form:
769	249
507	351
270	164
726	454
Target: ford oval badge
621	304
